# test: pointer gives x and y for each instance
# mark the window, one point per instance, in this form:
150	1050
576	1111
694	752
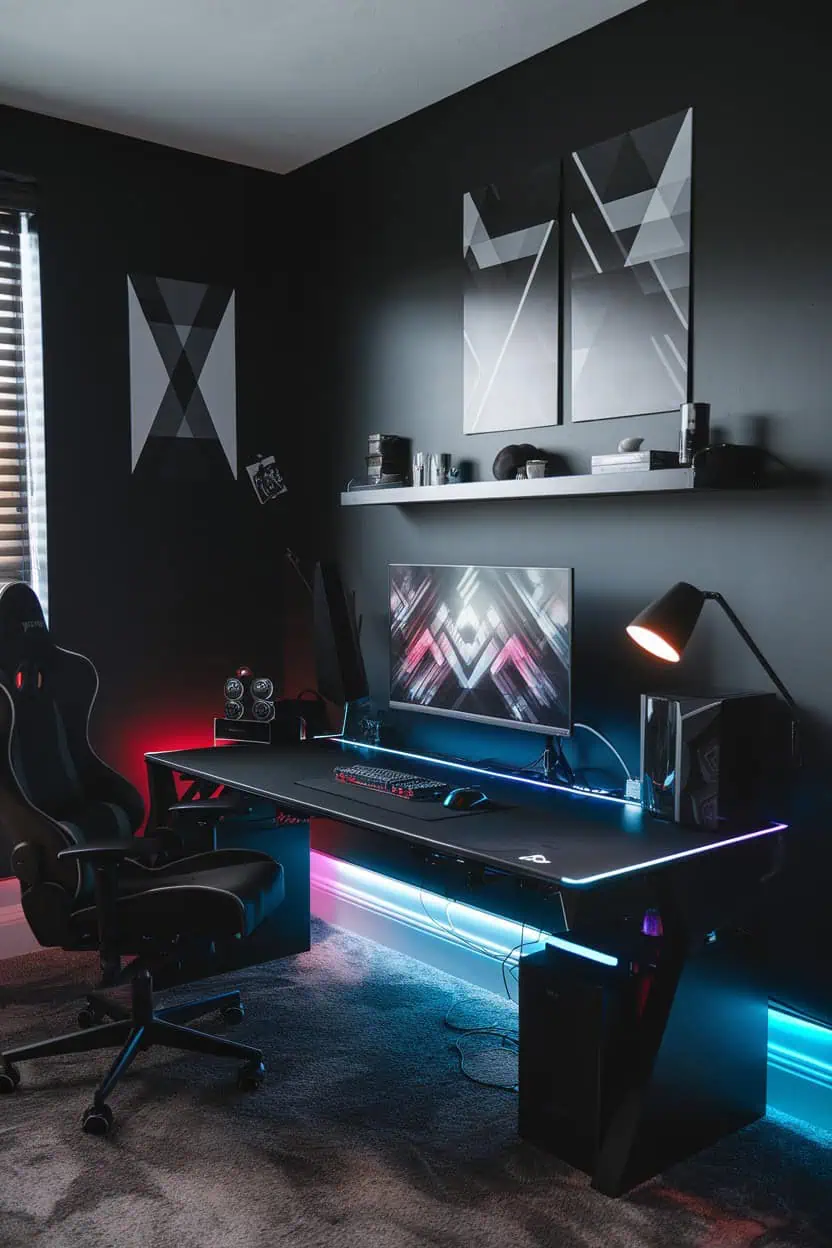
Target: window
22	445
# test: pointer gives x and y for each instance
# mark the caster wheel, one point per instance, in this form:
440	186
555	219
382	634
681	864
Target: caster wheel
9	1079
88	1017
251	1076
97	1120
233	1014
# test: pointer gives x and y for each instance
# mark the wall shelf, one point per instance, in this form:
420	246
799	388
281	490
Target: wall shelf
657	481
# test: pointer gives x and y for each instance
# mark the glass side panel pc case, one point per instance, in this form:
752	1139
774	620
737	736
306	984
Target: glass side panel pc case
487	644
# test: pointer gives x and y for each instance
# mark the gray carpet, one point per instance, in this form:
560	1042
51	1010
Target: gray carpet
365	1134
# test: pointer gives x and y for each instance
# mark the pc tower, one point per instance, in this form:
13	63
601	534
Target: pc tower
707	762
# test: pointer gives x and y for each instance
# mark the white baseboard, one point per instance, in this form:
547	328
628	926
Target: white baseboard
335	902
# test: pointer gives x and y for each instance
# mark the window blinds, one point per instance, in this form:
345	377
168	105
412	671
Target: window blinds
22	451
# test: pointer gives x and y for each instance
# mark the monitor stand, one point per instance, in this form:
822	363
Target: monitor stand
555	769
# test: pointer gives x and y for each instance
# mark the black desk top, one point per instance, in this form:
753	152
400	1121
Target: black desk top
579	839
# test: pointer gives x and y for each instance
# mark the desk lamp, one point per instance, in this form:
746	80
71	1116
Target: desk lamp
664	628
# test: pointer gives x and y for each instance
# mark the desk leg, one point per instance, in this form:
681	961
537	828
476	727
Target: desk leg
162	790
623	1076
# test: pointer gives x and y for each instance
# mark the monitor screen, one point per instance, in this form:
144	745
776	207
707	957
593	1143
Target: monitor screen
488	644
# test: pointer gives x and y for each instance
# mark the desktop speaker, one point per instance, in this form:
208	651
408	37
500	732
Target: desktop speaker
262	710
707	762
248	696
234	689
281	725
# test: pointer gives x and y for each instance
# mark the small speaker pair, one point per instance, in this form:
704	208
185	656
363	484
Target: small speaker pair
244	687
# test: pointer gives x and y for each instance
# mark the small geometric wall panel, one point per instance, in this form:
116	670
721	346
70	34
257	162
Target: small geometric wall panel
629	203
182	363
510	247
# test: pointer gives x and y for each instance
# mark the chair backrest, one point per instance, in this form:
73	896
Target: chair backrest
54	789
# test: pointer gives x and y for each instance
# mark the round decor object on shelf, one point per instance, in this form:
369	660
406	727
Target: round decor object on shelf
511	458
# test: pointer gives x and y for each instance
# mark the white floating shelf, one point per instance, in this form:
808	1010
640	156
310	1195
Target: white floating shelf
658	480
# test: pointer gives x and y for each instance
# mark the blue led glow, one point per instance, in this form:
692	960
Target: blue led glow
814	1031
484	771
594	955
821	1071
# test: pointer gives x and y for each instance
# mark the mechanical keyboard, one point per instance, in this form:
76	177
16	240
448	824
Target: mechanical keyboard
396	783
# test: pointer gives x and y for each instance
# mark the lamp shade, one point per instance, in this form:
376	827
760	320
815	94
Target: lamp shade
664	628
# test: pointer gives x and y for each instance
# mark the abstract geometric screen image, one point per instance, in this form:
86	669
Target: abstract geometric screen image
629	204
182	363
491	644
510	337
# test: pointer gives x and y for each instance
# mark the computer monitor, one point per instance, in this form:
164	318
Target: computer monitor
487	644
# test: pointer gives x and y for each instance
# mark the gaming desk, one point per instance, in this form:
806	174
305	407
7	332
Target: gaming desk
628	1061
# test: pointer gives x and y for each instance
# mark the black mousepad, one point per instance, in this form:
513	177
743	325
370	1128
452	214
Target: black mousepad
416	808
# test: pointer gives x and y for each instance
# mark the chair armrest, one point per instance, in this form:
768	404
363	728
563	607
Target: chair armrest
106	857
208	806
116	851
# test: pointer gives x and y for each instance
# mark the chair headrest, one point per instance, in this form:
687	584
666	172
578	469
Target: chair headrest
23	631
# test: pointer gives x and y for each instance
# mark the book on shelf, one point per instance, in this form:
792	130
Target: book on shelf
606	469
635	461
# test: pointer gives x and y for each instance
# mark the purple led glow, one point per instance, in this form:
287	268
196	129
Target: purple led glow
652	924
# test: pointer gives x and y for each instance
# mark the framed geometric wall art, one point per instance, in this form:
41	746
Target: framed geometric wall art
628	271
511	303
182	363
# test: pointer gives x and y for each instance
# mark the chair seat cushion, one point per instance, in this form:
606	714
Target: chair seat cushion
224	893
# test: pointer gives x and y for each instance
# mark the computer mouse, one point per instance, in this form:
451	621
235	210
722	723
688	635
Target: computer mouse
465	799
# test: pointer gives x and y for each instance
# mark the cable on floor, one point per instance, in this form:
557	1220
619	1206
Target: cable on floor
508	1040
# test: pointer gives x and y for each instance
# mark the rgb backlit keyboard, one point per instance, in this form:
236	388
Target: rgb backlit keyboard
397	783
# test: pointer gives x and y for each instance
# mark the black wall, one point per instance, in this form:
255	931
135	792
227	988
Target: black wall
381	277
168	578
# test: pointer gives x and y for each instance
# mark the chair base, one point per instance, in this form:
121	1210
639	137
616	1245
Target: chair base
132	1031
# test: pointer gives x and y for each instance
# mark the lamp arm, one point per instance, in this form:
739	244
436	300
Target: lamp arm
754	648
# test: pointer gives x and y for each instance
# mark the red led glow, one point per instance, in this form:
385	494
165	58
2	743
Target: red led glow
123	744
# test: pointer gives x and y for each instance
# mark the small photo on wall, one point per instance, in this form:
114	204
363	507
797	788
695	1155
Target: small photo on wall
510	339
628	201
266	479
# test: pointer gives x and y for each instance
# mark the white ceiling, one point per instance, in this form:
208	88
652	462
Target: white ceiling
268	83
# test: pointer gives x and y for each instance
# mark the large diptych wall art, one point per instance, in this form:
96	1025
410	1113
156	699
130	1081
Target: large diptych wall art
510	247
182	363
629	204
